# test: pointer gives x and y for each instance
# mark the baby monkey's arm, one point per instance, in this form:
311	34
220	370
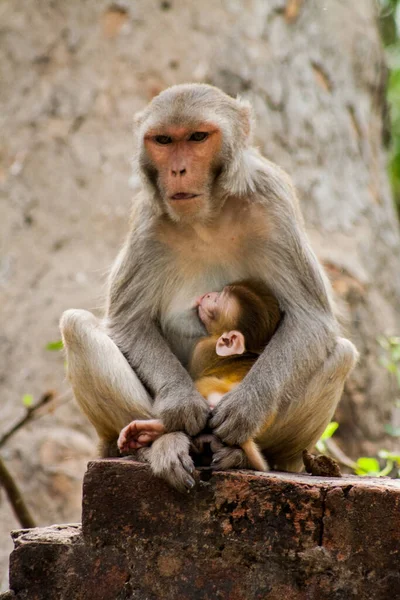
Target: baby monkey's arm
140	433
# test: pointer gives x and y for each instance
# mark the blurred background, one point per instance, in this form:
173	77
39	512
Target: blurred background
324	79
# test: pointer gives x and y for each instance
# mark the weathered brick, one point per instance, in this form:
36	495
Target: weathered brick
238	536
123	503
53	563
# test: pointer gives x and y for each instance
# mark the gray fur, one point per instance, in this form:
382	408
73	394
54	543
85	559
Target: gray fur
149	317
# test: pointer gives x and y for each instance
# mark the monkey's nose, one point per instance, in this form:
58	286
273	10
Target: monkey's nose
181	172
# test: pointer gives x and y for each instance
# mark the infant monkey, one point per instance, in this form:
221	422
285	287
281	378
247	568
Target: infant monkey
240	321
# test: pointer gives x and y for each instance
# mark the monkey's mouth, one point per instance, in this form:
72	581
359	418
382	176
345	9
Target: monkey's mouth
183	196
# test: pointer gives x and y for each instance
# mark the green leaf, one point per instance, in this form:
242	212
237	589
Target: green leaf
396	353
55	346
389	456
27	400
330	430
383	342
391	367
367	466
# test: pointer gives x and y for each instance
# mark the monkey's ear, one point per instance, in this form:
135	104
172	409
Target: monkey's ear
230	344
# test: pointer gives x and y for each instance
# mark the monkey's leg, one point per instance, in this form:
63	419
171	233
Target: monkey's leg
307	417
106	388
111	395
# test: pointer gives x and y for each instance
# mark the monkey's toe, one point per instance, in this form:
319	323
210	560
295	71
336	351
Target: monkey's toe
229	458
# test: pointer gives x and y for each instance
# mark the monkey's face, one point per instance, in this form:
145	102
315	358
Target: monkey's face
218	311
183	163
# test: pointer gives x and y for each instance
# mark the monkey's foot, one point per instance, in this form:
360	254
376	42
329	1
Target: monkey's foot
199	443
140	455
203	448
321	465
230	458
170	460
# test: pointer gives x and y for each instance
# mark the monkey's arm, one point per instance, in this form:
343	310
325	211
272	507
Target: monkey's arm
301	344
134	287
176	400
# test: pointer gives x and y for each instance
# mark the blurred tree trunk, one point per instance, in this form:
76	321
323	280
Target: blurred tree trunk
72	75
315	73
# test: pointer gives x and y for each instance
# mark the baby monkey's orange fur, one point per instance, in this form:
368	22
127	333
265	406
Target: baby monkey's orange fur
239	321
256	318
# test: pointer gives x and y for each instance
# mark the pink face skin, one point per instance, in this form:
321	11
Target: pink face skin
212	305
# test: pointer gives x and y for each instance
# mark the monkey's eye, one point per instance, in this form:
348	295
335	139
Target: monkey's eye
198	136
163	139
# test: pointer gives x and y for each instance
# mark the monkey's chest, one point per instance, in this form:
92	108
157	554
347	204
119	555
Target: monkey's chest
207	257
232	243
206	260
179	319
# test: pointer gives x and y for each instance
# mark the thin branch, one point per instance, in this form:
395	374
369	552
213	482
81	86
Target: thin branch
14	495
339	455
29	416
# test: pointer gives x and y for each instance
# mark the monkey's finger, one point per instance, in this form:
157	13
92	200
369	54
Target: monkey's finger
196	416
126	433
187	463
215	444
216	420
226	427
179	478
131	445
182	471
145	426
196	446
227	458
229	435
144	439
121	440
222	431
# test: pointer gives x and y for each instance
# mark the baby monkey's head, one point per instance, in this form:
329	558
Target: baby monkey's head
243	316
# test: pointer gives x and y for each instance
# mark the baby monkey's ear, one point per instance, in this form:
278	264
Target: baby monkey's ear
230	343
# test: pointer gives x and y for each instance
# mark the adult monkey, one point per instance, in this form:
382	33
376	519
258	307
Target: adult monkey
211	210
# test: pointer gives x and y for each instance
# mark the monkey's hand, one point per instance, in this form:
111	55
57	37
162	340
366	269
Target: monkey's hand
187	412
237	417
140	433
169	458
